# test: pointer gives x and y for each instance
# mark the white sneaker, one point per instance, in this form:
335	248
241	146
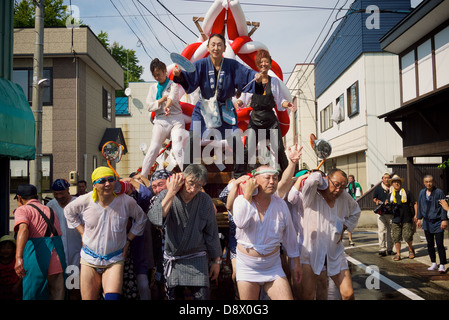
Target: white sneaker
442	269
433	267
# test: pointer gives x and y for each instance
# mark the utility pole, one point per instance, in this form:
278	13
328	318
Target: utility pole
36	165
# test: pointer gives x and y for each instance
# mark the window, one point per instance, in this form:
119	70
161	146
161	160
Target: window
326	118
107	105
339	113
24	78
353	99
20	173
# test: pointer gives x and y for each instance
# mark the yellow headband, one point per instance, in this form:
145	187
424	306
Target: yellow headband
98	173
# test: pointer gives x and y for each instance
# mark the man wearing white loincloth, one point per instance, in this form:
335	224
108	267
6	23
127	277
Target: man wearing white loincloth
328	212
264	222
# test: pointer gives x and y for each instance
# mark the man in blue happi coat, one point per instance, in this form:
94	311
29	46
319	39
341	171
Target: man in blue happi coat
218	78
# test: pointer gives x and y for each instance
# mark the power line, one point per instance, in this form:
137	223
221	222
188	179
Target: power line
328	45
272	5
325	38
132	31
187	14
138	26
151	29
171	22
162	22
176	18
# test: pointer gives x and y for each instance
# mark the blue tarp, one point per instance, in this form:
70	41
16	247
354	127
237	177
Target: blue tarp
17	124
121	106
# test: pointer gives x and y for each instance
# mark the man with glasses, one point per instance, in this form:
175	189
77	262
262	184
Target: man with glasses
328	212
191	234
104	234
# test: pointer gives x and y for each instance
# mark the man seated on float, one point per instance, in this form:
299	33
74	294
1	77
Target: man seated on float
218	78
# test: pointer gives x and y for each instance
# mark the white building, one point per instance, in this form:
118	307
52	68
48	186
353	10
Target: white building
301	84
134	120
355	82
361	144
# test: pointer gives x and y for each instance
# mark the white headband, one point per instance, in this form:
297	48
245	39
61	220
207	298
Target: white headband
266	171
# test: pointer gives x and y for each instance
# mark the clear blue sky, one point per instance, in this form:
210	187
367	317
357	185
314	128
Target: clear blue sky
287	28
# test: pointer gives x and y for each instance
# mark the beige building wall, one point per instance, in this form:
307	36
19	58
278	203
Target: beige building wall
301	84
73	125
137	128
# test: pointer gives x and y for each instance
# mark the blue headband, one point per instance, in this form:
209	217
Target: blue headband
160	174
60	185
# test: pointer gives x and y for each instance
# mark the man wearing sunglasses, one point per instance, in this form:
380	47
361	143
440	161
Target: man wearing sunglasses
328	212
104	234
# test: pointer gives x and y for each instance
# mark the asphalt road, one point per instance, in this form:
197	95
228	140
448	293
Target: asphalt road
381	278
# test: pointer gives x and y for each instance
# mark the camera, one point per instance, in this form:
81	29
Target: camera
383	208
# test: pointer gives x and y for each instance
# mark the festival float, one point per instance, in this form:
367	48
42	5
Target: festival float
224	17
227	18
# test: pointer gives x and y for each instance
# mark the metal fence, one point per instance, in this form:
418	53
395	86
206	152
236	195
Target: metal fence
366	201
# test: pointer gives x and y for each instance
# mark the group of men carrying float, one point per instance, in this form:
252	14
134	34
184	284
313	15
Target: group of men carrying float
262	218
310	230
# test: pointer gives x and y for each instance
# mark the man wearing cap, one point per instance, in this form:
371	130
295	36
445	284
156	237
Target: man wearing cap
384	215
263	222
104	234
40	258
158	182
404	209
71	238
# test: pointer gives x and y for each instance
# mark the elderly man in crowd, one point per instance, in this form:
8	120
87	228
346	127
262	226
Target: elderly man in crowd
191	238
328	212
433	219
105	237
71	238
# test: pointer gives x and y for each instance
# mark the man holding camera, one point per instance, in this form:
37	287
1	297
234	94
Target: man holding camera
384	215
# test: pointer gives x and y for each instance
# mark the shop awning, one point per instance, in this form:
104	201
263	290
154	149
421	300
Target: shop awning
17	125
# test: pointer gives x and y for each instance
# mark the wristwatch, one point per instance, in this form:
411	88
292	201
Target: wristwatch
217	261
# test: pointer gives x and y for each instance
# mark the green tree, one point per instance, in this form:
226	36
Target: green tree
126	58
55	14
